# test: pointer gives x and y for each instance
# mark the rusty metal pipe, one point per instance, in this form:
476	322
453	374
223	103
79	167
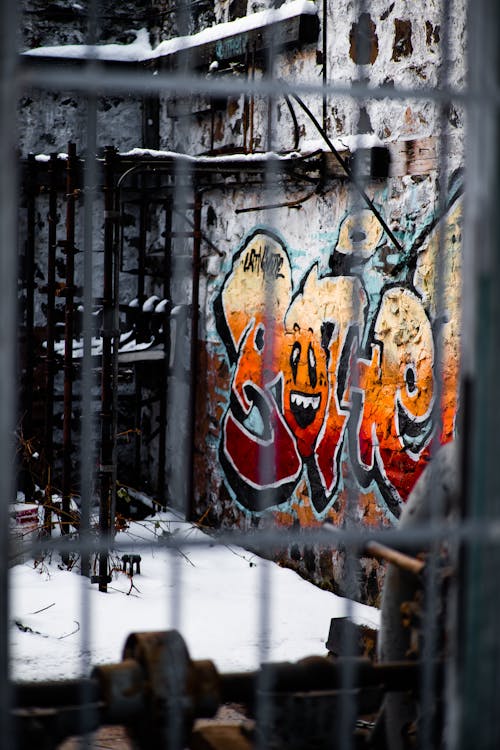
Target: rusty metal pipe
141	261
55	693
69	249
405	562
106	468
29	315
165	364
194	351
50	360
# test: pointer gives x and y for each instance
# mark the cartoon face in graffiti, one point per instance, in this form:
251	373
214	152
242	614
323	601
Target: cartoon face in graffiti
304	366
320	325
305	373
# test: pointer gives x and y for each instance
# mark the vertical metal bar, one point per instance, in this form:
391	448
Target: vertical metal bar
8	273
50	361
88	431
141	267
70	250
141	261
165	364
137	419
116	334
265	713
87	378
479	663
108	334
324	49
430	623
246	105
351	562
194	353
252	106
29	314
179	391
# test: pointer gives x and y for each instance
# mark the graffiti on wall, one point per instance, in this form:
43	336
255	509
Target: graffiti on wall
327	372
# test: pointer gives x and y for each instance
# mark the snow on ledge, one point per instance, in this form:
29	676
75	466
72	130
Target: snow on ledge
307	149
140	49
46	157
243	158
155	154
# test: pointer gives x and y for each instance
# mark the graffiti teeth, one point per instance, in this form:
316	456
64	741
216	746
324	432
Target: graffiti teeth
304	407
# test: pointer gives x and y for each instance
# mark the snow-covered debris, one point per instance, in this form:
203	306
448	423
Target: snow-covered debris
162	306
208	591
150	303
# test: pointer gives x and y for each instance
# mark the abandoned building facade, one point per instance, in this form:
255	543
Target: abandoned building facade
275	272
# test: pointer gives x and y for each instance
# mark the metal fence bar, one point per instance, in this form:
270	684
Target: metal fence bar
88	432
110	81
480	660
8	306
430	638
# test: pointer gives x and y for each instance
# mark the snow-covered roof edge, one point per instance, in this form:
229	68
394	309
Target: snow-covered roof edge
140	49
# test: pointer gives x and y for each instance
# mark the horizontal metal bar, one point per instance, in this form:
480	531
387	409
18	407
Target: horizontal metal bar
265	541
55	693
98	78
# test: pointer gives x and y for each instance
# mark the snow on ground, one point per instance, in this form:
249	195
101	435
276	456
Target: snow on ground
209	592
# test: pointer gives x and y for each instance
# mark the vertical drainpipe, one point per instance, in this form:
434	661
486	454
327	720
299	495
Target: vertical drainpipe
70	250
106	467
194	352
29	274
50	363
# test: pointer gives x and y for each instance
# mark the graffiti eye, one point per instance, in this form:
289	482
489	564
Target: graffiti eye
311	365
294	358
259	338
410	379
